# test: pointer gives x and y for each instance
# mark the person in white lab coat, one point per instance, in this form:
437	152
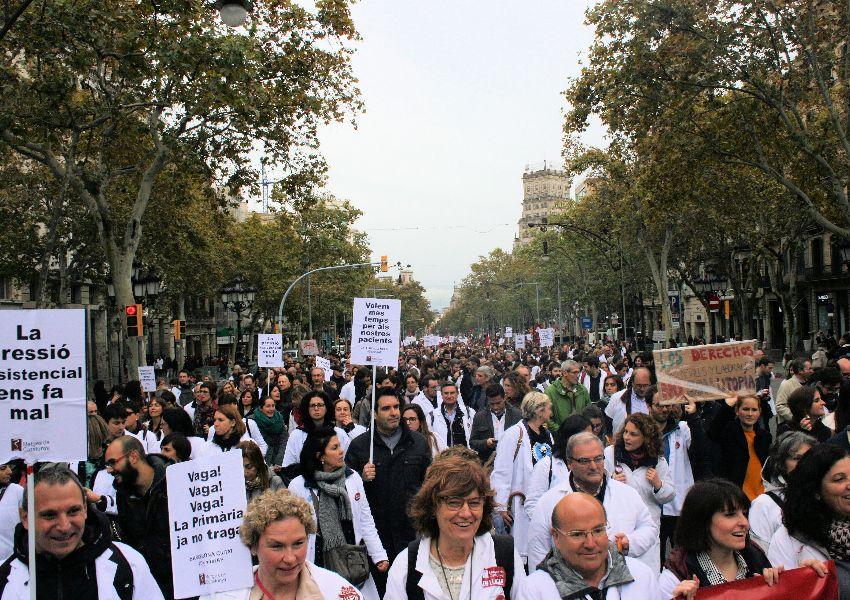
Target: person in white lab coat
451	421
456	555
276	527
339	503
521	446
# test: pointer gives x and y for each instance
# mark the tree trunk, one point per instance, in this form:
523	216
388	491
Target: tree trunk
134	355
660	277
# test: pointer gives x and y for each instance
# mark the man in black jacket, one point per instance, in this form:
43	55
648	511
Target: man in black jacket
393	476
489	424
142	501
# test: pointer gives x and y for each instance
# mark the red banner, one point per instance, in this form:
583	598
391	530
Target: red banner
798	584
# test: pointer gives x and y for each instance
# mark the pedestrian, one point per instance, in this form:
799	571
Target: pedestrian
177	420
340	504
316	412
176	447
202	410
75	555
415	419
635	398
248	402
227	431
11	495
455	555
258	479
807	412
568	396
344	419
276	528
798	373
452	421
272	428
490	424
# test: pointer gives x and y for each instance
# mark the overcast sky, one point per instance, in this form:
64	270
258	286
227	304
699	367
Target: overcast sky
460	97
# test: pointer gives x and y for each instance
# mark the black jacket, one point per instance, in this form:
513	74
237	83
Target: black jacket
482	429
727	433
398	476
685	565
144	523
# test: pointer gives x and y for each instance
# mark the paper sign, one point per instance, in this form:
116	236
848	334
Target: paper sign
409	341
431	341
519	342
452	339
147	377
309	347
376	332
43	389
501	341
547	337
509	332
702	373
325	365
206	502
269	349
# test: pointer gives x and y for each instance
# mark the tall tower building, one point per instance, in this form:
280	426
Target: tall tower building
544	188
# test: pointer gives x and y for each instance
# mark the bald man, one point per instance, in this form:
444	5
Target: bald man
583	563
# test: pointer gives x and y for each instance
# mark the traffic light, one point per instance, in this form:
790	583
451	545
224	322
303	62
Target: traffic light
384	266
133	313
179	328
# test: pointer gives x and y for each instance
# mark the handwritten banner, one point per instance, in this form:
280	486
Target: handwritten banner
709	372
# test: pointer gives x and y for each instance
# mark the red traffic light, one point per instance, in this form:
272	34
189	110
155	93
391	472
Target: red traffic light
131	310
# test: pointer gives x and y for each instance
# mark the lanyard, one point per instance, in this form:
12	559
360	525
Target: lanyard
263	589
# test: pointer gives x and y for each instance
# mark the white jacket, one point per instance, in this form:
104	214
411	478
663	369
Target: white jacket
540	586
361	516
539	483
616	410
355	431
144	585
296	440
211	447
9	517
511	471
332	585
584	379
765	518
438	423
626	512
481	563
637	480
790	552
102	486
149	440
681	472
252	430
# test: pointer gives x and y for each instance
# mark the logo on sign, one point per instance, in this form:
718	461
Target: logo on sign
492	577
202	578
17	445
348	593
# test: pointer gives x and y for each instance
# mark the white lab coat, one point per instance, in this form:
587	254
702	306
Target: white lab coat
679	468
511	475
765	518
626	512
9	517
102	486
149	440
540	586
481	562
252	430
637	480
584	379
296	441
332	585
438	423
789	552
616	409
355	431
361	517
539	483
211	447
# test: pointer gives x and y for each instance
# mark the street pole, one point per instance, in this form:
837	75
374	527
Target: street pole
309	310
560	318
537	301
623	295
238	333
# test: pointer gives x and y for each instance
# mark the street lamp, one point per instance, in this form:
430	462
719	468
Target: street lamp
233	13
237	297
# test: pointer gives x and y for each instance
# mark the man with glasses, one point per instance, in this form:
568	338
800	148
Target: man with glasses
567	395
636	398
142	500
584	563
630	526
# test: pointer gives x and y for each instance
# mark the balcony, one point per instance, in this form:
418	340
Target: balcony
825	273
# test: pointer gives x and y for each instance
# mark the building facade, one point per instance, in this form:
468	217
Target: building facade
544	189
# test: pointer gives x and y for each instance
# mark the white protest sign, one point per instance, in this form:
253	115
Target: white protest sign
43	389
502	341
147	377
529	337
547	337
309	347
376	332
325	365
206	502
452	339
519	342
269	349
409	340
509	332
431	341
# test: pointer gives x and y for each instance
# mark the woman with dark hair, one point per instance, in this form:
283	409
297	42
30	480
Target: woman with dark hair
257	476
712	542
766	511
456	553
742	442
316	412
636	459
414	417
611	385
807	412
177	420
516	387
344	420
247	403
272	428
339	503
154	425
599	423
176	447
552	469
816	514
228	430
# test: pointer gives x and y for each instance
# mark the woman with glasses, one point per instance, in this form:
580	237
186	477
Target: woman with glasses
456	557
338	498
598	423
316	413
414	417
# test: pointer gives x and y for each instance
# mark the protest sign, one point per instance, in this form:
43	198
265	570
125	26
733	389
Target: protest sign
519	342
309	347
431	341
452	339
708	372
43	388
509	332
376	332
801	584
325	365
269	349
409	341
501	341
147	377
547	337
206	502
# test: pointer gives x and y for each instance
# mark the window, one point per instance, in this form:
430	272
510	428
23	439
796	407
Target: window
5	289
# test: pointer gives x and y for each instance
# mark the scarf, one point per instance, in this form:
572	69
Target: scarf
839	539
334	508
226	443
269	426
572	585
633	460
203	416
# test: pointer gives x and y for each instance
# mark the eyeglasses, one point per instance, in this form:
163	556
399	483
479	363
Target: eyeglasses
578	535
456	503
586	461
110	464
322	405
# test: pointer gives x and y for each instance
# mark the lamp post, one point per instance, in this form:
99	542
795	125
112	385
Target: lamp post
237	297
233	13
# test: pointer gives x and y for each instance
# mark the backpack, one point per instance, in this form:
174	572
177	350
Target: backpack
504	546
